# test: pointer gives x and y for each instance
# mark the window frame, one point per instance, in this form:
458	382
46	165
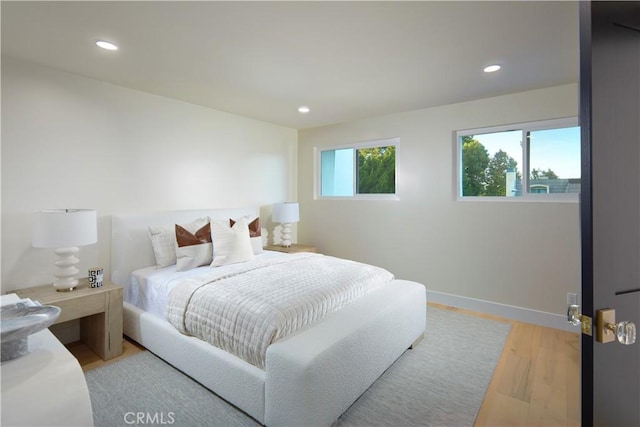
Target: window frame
317	173
565	122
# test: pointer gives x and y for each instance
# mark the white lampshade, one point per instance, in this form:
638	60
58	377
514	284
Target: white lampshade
62	228
286	213
65	230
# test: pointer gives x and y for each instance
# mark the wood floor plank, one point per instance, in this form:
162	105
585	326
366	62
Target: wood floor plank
486	413
89	360
527	340
572	354
517	380
548	405
539	368
505	411
554	339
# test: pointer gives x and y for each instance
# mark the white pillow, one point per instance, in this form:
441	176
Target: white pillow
230	244
255	232
163	241
193	246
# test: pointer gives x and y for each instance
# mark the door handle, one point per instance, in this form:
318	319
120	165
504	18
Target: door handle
575	318
607	330
573	314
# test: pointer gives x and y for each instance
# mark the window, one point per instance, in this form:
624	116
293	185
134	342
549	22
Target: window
537	161
364	170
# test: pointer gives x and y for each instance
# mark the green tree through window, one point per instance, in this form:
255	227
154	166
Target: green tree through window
540	174
364	170
483	175
510	161
497	169
376	170
475	160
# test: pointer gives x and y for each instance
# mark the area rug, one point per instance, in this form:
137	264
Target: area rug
439	383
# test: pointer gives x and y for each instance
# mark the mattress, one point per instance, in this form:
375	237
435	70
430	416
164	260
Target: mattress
150	286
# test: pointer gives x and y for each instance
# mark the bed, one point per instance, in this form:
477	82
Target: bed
309	377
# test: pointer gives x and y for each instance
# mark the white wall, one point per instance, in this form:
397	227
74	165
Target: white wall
69	141
73	142
518	254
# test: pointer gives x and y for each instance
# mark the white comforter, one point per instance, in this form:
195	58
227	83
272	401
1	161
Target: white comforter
259	302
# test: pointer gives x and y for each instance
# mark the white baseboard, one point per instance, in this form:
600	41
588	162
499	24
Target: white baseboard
527	315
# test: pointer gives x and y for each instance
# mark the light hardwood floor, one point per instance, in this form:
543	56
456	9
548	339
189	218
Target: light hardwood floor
89	360
536	381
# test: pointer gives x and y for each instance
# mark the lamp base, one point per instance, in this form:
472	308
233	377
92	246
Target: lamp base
66	271
285	237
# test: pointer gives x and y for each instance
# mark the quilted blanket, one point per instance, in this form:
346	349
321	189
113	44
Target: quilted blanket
262	301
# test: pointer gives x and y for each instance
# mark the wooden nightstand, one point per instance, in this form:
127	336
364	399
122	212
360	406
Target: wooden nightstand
291	249
99	311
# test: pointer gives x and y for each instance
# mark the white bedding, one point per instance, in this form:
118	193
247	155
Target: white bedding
246	310
150	286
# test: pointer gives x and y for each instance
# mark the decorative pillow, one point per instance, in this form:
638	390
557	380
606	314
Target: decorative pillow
163	241
231	244
255	232
193	249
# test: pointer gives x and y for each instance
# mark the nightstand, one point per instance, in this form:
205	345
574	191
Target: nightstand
99	311
291	249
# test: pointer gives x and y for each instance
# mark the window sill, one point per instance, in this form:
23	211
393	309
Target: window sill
361	197
547	198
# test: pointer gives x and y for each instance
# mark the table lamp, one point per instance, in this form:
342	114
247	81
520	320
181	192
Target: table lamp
286	214
65	230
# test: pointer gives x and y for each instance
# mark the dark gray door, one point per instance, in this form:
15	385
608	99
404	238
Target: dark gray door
610	208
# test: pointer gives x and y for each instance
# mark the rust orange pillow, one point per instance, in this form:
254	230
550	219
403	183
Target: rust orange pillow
193	247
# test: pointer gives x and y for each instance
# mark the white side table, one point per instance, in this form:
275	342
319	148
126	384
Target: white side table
46	387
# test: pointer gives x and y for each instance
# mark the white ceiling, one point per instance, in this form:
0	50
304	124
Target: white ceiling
345	60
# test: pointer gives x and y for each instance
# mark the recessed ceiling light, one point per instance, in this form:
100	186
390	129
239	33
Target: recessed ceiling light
304	109
106	45
492	68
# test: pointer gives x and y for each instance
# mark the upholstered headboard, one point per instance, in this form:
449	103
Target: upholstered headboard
130	244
